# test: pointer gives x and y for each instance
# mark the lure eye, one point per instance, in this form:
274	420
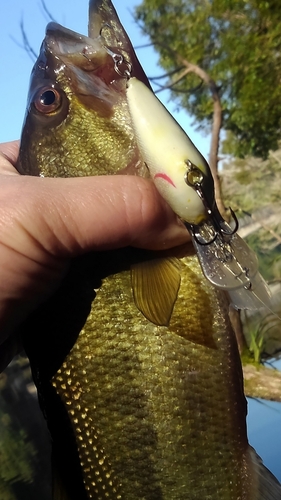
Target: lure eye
193	177
47	100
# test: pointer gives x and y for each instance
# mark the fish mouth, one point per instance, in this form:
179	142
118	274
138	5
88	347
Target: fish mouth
88	63
75	50
77	54
81	65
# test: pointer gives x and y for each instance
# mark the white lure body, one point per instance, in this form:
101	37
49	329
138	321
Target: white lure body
166	148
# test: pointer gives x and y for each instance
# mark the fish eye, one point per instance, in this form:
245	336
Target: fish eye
47	100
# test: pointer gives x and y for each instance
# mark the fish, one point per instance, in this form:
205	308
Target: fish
138	407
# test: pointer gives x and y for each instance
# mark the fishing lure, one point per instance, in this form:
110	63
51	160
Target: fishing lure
184	179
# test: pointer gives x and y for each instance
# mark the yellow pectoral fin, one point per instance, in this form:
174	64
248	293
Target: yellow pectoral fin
155	286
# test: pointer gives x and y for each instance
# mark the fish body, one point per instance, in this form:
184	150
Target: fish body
137	410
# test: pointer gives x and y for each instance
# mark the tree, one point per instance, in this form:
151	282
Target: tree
252	187
238	44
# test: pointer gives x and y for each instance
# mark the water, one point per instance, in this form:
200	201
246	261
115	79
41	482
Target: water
264	425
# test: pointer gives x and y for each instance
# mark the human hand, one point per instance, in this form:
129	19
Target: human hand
44	222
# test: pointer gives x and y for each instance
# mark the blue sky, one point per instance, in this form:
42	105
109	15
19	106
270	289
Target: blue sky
15	68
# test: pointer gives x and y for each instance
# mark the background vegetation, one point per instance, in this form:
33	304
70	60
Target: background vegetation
221	61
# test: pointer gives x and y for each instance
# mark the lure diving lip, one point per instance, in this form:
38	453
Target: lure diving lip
183	178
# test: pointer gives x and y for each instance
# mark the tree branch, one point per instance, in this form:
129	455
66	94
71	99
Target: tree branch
235	319
47	12
26	45
174	81
165	75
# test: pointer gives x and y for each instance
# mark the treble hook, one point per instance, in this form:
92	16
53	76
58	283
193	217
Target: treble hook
194	178
236	227
198	230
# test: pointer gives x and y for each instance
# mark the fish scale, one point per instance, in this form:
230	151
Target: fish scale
140	396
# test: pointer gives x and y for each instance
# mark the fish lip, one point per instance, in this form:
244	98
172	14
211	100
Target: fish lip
79	55
63	42
86	62
84	65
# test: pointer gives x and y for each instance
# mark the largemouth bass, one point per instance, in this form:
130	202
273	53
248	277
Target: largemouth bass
136	409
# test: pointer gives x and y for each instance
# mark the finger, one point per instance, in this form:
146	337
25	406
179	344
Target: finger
72	216
8	154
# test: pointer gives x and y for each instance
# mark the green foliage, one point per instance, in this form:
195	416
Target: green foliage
16	455
263	335
257	344
238	44
250	184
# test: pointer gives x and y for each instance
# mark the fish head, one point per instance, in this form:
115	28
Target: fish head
77	121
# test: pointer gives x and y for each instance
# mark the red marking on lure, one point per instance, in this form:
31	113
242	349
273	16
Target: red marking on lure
165	177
